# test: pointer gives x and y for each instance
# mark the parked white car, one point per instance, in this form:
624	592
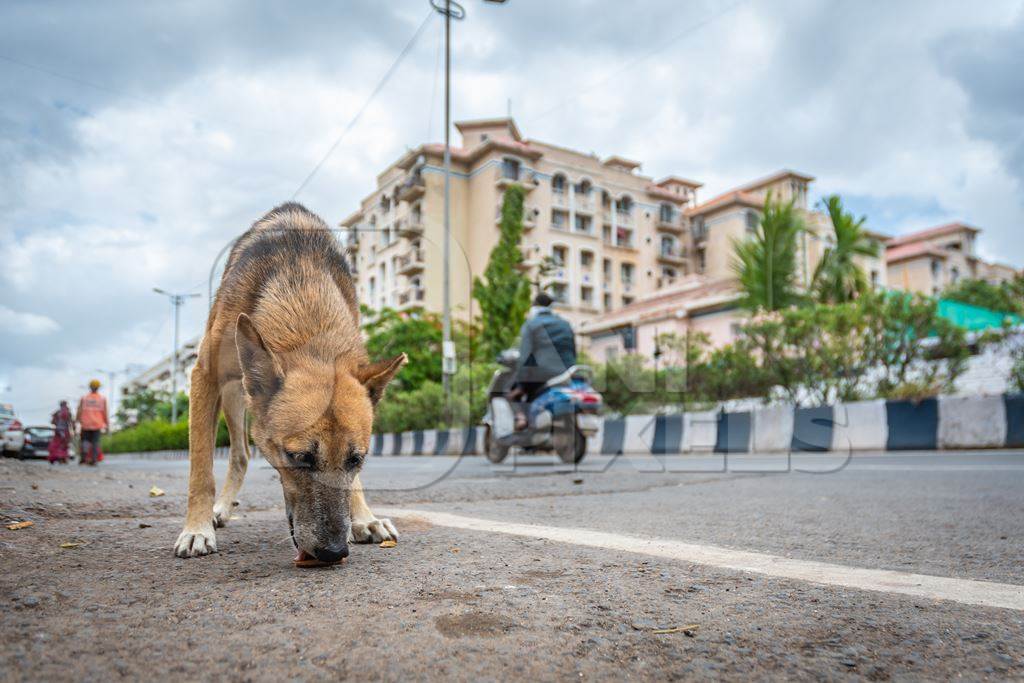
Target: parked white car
12	432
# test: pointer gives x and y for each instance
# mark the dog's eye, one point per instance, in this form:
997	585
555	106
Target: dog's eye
302	459
353	461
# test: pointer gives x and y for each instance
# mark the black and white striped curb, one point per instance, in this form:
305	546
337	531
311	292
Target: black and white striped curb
943	423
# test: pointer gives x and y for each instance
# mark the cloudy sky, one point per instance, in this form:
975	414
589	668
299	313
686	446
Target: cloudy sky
136	139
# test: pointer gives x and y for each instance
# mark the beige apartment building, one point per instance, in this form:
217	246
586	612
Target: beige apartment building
930	260
633	257
613	233
704	302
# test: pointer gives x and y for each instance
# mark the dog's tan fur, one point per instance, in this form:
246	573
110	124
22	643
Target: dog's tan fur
283	341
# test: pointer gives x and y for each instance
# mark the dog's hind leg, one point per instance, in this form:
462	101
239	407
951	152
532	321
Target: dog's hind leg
232	401
198	536
366	528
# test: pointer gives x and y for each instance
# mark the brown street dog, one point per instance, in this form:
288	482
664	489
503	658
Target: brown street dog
283	342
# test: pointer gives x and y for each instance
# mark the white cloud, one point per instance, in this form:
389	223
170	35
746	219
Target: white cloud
21	323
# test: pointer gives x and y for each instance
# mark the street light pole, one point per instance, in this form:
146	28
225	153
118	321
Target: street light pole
447	350
450	10
177	300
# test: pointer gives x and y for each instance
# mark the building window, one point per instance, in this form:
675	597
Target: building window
626	273
701	260
954	275
668	246
560	293
936	267
510	169
558	184
583	187
584	224
623	237
624	206
667	213
586	259
606	269
699	229
874	278
385	203
559	255
607	302
626	300
559	220
752	221
586	295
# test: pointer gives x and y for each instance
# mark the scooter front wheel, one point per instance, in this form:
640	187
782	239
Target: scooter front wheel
494	451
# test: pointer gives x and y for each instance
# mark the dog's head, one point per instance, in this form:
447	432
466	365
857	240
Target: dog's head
312	421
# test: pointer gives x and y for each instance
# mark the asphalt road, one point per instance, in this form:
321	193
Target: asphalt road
879	566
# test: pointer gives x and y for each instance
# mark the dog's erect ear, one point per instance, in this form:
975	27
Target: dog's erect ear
375	376
259	373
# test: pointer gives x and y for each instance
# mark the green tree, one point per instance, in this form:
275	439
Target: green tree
838	278
504	292
766	263
147	405
1005	297
920	353
418	335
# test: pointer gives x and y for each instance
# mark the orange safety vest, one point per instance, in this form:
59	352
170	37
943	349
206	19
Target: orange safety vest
92	411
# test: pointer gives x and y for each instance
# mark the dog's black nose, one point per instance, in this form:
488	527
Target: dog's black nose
335	552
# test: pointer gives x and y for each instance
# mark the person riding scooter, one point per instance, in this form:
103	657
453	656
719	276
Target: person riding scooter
547	348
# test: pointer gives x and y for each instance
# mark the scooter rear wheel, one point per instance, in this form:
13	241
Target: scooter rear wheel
569	442
494	451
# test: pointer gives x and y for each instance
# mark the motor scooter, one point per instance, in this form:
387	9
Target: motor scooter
561	418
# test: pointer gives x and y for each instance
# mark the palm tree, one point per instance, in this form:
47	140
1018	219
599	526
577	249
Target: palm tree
767	264
838	278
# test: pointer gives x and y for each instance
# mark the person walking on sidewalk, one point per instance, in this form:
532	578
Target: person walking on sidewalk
62	428
92	421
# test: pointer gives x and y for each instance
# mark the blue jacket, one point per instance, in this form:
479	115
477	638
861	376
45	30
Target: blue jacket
547	348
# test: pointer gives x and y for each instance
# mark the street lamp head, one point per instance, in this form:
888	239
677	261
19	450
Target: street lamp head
160	291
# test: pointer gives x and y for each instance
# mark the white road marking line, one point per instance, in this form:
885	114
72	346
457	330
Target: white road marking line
966	591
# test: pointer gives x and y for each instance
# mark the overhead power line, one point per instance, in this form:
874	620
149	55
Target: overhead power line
380	86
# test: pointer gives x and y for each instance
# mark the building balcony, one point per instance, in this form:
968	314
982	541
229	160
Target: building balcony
410	262
666	281
673	225
412	189
530	215
583	204
525	178
622	218
621	243
674	256
410	227
411	297
529	261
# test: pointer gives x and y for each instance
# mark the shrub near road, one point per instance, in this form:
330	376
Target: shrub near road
156	435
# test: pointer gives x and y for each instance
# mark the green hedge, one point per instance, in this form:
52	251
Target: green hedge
157	435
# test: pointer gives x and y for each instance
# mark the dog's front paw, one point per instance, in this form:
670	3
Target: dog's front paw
221	515
373	530
196	542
